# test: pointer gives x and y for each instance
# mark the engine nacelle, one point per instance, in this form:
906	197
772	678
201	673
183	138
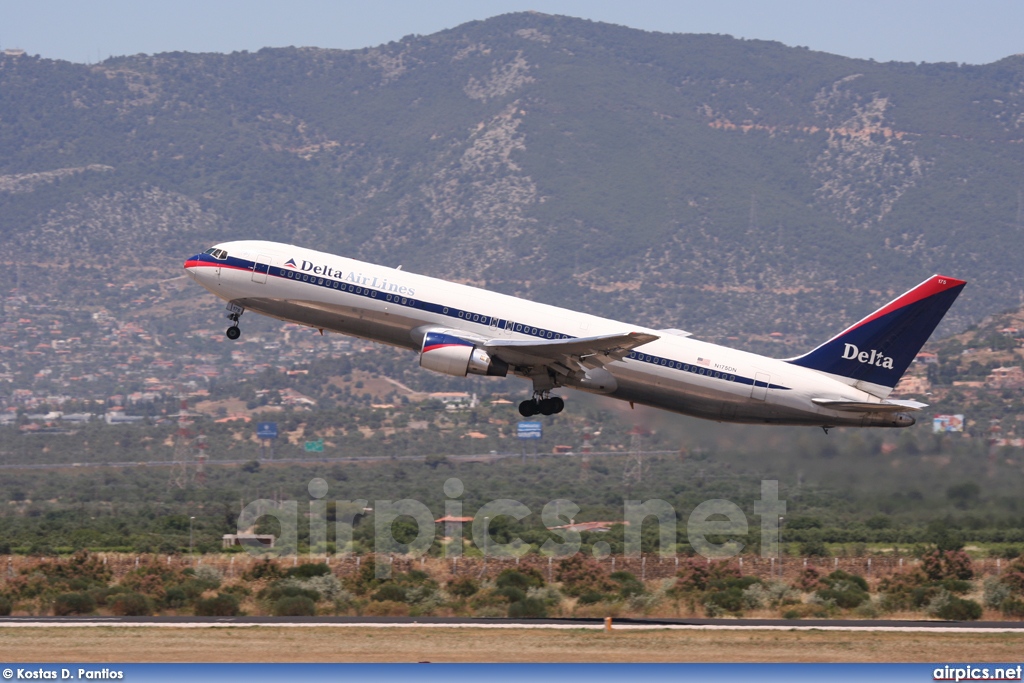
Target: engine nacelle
453	355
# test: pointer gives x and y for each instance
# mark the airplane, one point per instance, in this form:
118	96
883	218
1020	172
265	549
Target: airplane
461	330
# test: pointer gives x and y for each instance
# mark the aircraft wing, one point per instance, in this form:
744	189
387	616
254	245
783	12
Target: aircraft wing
597	350
890	406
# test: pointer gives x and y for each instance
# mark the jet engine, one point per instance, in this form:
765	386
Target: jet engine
453	355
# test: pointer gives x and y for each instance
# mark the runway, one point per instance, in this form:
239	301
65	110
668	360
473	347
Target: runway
186	622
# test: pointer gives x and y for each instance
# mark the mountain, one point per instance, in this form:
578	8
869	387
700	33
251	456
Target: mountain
729	187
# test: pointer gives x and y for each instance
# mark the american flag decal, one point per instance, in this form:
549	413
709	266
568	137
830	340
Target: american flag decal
704	361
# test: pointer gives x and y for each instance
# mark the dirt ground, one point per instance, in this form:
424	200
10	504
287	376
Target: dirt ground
332	644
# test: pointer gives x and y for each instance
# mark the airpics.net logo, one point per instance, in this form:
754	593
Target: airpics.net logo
851	352
715	529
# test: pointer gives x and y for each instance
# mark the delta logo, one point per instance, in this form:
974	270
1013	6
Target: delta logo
851	352
290	263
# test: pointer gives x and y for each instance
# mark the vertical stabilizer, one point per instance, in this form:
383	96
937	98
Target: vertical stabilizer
874	353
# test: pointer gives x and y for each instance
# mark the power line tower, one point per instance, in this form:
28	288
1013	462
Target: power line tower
182	447
585	457
633	473
200	461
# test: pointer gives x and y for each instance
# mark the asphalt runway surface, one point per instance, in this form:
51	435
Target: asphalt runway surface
460	622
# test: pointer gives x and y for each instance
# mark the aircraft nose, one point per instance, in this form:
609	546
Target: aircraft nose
191	264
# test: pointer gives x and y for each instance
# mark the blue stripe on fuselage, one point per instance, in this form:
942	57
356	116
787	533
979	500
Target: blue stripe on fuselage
479	318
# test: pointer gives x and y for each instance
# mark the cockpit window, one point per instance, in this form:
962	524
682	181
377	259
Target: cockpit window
218	254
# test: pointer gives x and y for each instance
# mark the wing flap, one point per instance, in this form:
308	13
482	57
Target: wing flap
600	349
890	406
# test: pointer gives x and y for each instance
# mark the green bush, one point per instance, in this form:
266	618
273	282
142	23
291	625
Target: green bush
287	589
224	605
265	569
102	595
728	600
175	597
5	606
308	571
845	590
959	609
957	586
592	598
390	592
523	580
629	585
1013	608
528	608
130	605
295	606
73	603
840	575
512	594
845	596
463	587
815	548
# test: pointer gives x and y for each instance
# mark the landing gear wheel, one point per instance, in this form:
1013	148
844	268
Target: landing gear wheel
528	408
551	406
233	332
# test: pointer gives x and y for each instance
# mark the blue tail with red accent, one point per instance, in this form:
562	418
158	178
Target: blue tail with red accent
878	349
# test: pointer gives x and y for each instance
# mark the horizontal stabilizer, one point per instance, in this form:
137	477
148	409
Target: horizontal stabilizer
890	406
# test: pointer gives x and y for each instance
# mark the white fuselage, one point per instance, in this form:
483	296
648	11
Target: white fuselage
674	372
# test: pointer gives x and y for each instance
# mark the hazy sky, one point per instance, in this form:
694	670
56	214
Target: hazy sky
975	31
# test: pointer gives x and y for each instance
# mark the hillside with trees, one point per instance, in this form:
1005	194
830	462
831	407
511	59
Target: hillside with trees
731	187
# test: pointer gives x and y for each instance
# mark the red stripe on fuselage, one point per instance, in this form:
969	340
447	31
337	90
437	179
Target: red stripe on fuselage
207	264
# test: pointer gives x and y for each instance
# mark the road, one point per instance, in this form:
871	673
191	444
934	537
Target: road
574	623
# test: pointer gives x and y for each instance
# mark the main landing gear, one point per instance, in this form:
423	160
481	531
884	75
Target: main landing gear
234	313
544	406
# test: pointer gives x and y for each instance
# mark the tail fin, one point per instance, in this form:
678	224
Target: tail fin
874	353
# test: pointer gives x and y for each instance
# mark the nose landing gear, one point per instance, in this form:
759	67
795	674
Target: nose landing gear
234	313
541	404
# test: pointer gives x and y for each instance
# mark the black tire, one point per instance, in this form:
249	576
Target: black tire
528	408
558	403
547	407
233	332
